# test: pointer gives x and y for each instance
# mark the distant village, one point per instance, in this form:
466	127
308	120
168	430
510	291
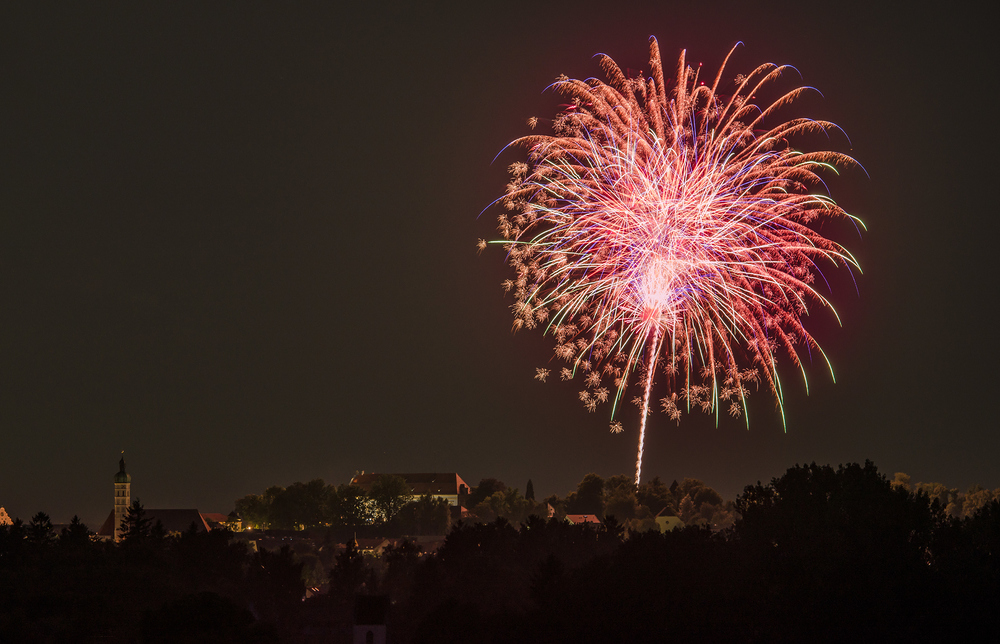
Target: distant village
376	511
425	557
368	504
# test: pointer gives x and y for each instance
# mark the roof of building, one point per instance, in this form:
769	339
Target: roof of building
171	520
107	528
178	520
376	544
576	519
434	483
214	517
121	476
5	518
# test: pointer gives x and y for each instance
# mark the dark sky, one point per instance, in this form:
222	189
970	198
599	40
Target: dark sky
238	242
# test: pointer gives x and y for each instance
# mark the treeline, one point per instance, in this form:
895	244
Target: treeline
388	505
150	587
635	508
818	555
955	504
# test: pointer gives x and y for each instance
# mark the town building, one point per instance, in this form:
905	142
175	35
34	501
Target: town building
666	522
123	498
174	521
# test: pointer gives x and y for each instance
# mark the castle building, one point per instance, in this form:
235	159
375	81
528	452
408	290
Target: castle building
123	496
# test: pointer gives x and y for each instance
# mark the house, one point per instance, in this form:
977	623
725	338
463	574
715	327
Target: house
5	518
667	523
373	547
448	486
577	519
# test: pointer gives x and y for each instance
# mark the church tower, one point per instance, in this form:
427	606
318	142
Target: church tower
123	496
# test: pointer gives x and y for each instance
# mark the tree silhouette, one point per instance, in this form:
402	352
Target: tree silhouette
389	493
485	489
40	530
845	540
588	498
349	573
140	531
75	535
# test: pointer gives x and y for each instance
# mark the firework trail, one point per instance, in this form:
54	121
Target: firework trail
663	231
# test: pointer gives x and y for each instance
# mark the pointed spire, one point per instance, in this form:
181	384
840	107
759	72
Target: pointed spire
122	476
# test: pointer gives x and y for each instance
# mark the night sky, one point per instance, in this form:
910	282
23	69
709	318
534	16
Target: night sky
239	242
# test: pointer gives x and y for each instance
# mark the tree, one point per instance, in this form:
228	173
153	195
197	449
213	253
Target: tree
349	573
425	516
490	508
11	541
656	496
529	491
275	579
621	503
137	529
402	562
976	498
519	508
76	534
255	511
202	617
350	506
697	504
588	498
486	488
510	505
389	493
844	539
40	530
300	505
687	511
619	482
901	480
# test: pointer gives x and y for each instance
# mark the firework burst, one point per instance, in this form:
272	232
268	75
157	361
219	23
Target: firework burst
663	233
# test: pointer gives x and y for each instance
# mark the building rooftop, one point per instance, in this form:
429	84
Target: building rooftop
171	520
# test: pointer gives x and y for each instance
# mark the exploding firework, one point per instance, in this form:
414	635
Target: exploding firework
662	232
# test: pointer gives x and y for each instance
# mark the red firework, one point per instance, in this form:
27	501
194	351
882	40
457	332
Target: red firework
665	229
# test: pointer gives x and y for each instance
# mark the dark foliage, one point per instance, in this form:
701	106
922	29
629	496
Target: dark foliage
820	554
485	489
197	586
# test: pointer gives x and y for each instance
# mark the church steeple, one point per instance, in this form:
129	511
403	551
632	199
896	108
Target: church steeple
123	495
